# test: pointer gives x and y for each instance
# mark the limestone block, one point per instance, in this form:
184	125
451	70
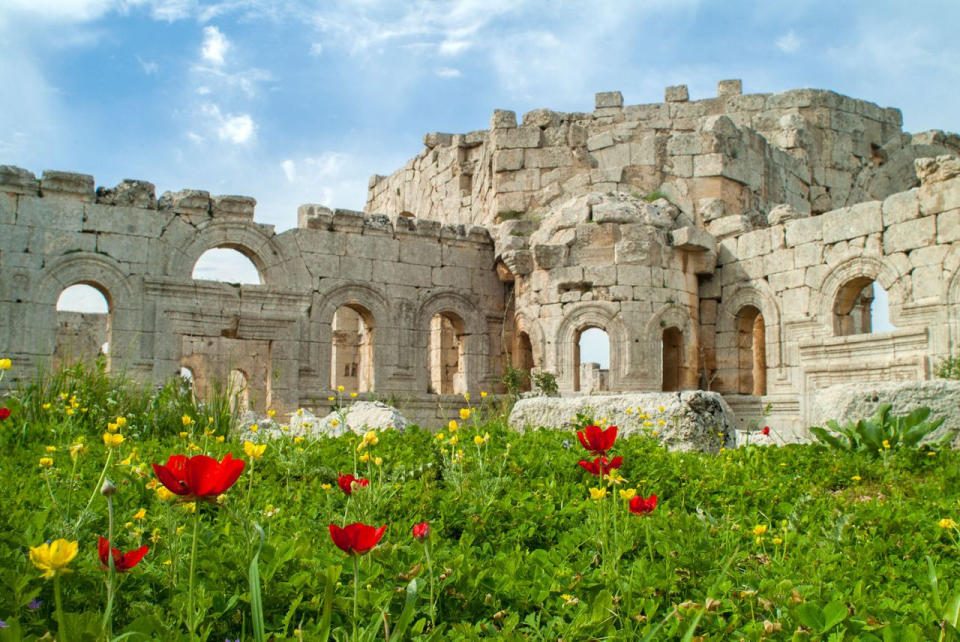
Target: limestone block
693	418
902	237
850	402
502	119
76	185
851	222
136	221
711	287
786	280
519	262
676	94
802	231
314	217
948	226
753	244
808	254
600	141
380	248
521	180
541	118
634	275
62	213
927	282
418	276
16	180
934	255
708	165
939	197
608	99
685	144
507	159
935	170
600	275
548	257
547	157
606	179
796	302
186	201
644	152
728	225
451	276
727	88
517	137
780	260
435	139
693	239
900	207
357	269
345	220
419	250
783	213
129	193
614	211
235	207
711	208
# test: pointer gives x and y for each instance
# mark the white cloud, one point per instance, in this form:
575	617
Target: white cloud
215	45
448	72
238	129
149	66
453	47
789	42
316	49
289	170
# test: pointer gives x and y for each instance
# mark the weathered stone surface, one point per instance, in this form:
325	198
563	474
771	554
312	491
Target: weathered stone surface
936	170
693	420
676	94
129	193
358	417
850	402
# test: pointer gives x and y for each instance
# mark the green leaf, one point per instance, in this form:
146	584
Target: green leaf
810	616
833	614
826	438
934	584
256	598
409	606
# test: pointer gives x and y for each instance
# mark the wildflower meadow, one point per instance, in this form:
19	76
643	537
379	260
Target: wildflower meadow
134	513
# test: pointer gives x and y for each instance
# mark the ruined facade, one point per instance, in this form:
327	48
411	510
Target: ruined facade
730	244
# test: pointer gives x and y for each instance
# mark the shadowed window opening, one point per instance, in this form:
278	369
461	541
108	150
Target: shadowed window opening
671	356
522	357
446	354
751	352
352	352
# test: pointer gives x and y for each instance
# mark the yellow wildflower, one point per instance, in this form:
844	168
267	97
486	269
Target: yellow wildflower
180	529
758	530
931	453
46	462
70	411
140	514
661	423
112	440
122	422
191	507
299	412
334	422
454	440
629	410
331	398
271	413
483	395
221	498
353	395
51	449
326	486
466	396
184	434
661	409
46	406
946	522
464	413
371	437
598	493
378	461
186	420
155	536
298	439
856	478
253	450
478	440
453	426
5	364
886	444
339	388
165	494
777	541
284	428
365	457
648	424
254	427
112	427
167	562
219	439
627	493
52	558
440	436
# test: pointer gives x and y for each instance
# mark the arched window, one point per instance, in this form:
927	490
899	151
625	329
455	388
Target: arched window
83	325
591	360
522	357
351	361
751	352
861	307
446	354
238	391
228	265
671	358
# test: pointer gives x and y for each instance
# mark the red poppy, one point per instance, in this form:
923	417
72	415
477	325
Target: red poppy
199	477
421	531
4	413
121	561
766	430
600	465
643	505
346	482
356	538
596	439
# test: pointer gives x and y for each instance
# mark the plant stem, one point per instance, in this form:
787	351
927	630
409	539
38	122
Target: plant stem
433	607
191	614
356	584
96	487
107	626
61	629
73	472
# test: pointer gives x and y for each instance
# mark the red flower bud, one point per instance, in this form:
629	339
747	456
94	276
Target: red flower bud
641	505
766	430
346	482
4	413
421	531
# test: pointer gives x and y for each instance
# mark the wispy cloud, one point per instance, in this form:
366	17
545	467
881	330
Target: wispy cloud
447	72
238	129
789	42
215	45
149	66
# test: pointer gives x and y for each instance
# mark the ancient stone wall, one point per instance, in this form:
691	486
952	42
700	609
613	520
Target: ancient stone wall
140	251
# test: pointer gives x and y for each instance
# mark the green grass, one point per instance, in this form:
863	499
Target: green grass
519	550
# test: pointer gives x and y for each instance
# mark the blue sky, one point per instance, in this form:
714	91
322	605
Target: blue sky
291	101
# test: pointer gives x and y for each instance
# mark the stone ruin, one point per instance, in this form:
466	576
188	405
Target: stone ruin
729	244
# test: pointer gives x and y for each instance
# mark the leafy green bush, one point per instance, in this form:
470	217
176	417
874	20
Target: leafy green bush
882	432
515	379
546	382
949	368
